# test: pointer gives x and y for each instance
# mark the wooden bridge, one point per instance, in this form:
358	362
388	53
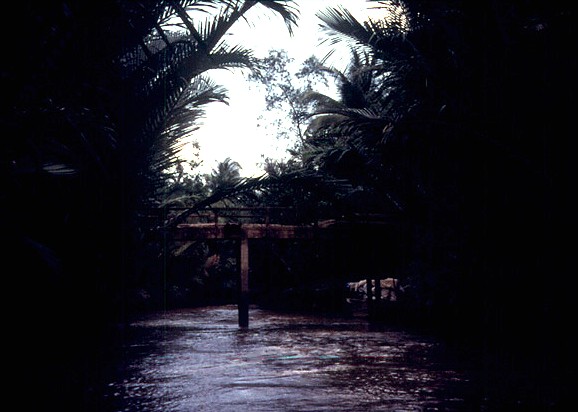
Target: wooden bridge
242	224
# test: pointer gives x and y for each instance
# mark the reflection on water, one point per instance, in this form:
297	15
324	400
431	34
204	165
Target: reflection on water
199	360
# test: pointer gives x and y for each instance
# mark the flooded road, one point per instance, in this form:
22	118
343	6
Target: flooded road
200	360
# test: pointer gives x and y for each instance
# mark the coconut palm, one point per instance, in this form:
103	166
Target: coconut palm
97	99
226	174
346	136
162	79
470	129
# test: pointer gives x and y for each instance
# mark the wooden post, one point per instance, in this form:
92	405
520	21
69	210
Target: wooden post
377	290
244	283
377	304
369	297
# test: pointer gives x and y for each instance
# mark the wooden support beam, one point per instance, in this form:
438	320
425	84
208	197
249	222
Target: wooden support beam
203	231
244	283
377	281
370	306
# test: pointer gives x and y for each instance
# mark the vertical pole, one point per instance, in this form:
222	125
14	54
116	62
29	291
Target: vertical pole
369	298
378	304
377	290
244	284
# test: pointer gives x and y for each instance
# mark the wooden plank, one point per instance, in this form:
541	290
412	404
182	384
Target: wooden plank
250	230
369	292
201	231
244	283
275	231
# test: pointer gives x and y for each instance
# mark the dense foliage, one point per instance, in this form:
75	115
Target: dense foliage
93	100
454	116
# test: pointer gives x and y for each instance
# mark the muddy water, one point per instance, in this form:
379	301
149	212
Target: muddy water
199	360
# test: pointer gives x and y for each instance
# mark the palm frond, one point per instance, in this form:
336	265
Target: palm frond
204	6
351	113
161	79
320	100
183	120
385	39
226	57
214	28
286	9
341	26
303	179
202	90
159	74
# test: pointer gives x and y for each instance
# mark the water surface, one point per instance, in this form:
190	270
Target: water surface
200	360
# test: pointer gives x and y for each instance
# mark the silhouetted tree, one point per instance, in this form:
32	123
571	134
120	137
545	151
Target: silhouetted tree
94	95
226	174
284	89
472	148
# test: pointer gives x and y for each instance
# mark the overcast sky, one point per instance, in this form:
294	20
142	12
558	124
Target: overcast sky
233	131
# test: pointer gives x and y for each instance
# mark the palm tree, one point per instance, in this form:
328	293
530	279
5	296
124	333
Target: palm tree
97	99
226	175
163	79
470	144
346	137
97	96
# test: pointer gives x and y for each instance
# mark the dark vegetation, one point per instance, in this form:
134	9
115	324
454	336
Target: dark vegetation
455	118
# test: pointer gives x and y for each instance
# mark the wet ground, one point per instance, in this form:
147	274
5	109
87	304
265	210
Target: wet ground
200	360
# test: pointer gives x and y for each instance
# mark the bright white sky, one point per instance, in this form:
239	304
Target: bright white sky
232	131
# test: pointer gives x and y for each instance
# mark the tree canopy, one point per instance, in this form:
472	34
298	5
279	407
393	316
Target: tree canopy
457	116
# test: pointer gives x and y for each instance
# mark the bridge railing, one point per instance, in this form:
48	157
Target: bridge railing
256	215
223	215
240	215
